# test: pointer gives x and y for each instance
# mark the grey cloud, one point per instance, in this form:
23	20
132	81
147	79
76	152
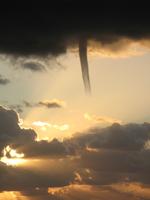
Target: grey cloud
109	167
119	137
27	104
44	148
10	132
4	81
25	139
50	104
101	156
113	154
48	173
33	66
47	104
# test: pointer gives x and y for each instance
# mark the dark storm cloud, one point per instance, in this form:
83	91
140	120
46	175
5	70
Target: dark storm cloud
50	30
4	81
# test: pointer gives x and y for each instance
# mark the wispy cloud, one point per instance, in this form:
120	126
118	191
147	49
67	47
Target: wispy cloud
33	66
54	103
101	119
16	107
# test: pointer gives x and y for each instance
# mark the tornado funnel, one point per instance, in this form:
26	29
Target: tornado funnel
84	64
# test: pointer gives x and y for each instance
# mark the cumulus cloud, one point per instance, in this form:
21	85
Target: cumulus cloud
119	137
10	132
25	139
114	154
44	148
117	154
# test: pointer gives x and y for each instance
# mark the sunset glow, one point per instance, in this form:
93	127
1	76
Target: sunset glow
14	158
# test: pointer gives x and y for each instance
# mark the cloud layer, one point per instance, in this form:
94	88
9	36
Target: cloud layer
50	30
117	154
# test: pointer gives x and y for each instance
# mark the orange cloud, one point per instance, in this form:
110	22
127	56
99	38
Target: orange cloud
135	189
123	47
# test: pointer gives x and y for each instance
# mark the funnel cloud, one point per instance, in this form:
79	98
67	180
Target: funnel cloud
84	64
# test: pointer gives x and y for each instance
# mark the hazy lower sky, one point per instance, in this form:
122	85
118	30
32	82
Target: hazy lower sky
120	90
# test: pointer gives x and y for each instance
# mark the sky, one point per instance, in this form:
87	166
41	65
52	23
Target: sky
74	103
120	90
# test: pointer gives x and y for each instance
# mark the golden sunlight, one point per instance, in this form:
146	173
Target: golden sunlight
12	195
101	119
45	125
66	189
11	157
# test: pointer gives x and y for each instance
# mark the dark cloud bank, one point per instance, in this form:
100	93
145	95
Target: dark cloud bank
49	29
37	30
98	157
